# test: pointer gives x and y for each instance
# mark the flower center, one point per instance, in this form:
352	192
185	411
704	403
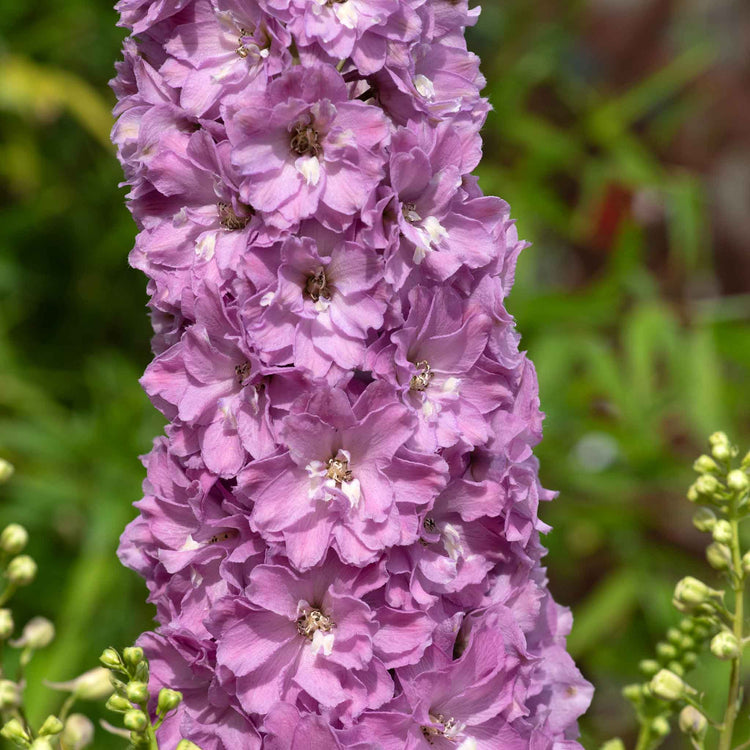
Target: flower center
429	524
450	729
421	381
317	286
409	210
339	471
306	141
313	620
229	219
242	372
242	50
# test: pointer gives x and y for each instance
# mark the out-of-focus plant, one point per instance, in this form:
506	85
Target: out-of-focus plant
713	619
122	679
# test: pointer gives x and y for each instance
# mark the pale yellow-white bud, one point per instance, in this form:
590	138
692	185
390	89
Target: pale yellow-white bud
78	732
722	532
10	694
725	646
6	470
13	539
168	700
737	480
135	720
38	633
21	570
692	722
93	685
6	624
13	730
187	745
668	686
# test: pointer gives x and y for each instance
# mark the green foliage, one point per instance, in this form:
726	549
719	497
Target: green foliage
632	372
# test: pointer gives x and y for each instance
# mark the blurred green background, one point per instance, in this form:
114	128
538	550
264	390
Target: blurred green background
621	137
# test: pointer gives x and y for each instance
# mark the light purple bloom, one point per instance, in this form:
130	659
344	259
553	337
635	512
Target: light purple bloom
340	529
305	149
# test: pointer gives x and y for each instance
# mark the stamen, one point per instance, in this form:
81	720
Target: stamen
429	525
242	50
223	537
229	219
243	372
305	141
313	620
409	210
449	731
421	381
339	471
317	286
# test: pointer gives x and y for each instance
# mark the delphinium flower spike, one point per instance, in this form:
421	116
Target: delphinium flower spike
340	527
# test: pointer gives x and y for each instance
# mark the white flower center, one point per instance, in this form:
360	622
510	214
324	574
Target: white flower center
424	86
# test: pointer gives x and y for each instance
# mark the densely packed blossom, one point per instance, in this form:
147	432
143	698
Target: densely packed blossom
340	526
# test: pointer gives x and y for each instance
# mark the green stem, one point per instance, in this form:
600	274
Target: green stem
725	740
644	738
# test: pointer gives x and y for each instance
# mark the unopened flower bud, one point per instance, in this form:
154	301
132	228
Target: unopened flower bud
706	465
665	651
187	745
13	539
132	655
689	659
707	485
6	470
10	694
137	692
746	563
725	646
633	692
135	720
41	743
93	685
615	744
668	686
719	556
38	633
78	732
674	636
721	448
649	667
118	704
687	625
722	532
52	726
168	700
6	624
677	668
110	659
692	722
704	519
691	591
737	480
21	570
13	730
660	726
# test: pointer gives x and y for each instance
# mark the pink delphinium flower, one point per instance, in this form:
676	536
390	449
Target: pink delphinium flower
340	530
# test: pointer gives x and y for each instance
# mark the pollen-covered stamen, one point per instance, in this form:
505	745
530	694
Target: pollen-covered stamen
313	620
449	729
306	141
224	536
317	286
339	471
229	219
429	525
242	50
242	371
421	381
